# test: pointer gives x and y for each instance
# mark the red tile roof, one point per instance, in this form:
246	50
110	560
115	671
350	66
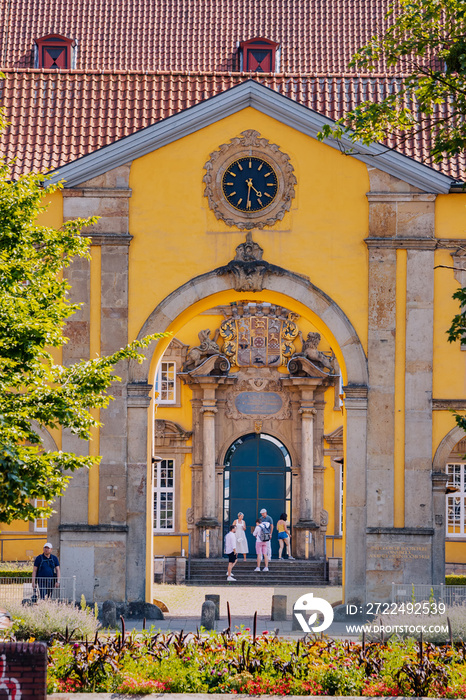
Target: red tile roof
316	36
57	117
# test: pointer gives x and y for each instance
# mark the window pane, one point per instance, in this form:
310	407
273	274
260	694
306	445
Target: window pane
167	382
164	497
456	502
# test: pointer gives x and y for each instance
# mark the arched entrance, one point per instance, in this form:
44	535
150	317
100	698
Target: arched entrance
257	475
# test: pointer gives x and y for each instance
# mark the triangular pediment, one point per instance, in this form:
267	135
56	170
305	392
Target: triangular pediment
265	100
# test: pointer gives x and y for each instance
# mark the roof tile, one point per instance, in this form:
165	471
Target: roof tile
56	117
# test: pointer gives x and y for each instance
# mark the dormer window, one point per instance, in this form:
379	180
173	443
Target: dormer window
54	51
260	56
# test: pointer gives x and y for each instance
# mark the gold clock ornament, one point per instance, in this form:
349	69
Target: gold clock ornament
249	182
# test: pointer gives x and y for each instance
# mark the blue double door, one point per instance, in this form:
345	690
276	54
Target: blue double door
257	475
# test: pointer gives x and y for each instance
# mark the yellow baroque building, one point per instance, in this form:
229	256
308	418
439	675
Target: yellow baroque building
307	295
356	447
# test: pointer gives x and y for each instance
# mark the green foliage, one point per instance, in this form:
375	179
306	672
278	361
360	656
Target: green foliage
455	580
35	392
425	44
49	618
239	663
8	573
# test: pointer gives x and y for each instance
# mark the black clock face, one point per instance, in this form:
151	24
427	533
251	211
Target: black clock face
250	184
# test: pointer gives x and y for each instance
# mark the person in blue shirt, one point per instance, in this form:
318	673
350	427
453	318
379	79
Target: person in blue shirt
46	572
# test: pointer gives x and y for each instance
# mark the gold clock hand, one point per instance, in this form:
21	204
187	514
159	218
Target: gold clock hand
249	183
248	201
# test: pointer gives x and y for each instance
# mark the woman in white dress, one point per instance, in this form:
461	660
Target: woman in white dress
241	540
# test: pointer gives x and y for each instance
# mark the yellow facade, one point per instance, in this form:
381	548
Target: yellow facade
176	237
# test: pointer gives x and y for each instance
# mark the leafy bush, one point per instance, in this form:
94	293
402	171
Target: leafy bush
15	569
255	665
435	626
50	617
455	580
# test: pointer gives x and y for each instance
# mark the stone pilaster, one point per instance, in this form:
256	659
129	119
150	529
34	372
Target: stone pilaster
208	464
439	483
356	496
418	385
138	402
381	363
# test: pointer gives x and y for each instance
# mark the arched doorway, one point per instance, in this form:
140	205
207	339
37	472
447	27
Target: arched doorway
257	475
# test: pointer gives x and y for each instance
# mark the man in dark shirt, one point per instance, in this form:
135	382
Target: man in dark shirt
46	572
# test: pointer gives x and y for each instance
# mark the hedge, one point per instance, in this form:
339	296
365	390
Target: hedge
455	580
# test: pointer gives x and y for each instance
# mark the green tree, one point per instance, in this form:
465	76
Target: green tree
424	44
36	392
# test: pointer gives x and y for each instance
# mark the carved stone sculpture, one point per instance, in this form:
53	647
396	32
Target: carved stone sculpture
309	350
206	348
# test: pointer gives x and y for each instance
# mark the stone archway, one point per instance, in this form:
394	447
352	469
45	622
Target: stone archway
247	272
445	447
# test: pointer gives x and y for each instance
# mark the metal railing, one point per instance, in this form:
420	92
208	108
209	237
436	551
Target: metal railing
17	590
180	535
416	593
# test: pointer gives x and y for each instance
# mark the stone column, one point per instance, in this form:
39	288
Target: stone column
355	497
208	464
307	466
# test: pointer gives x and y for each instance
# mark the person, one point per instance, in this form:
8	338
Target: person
230	549
46	572
283	536
261	546
241	540
267	519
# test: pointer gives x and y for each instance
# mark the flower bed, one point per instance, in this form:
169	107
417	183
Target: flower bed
240	663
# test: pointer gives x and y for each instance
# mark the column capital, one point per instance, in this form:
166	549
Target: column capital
138	394
307	411
209	409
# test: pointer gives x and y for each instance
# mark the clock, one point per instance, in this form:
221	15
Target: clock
249	182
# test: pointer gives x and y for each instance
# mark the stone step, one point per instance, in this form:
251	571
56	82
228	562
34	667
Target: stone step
282	573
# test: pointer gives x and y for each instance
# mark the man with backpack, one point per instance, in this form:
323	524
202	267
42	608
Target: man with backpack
267	519
46	572
262	533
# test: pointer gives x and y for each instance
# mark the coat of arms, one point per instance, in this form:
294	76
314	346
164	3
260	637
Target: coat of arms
259	340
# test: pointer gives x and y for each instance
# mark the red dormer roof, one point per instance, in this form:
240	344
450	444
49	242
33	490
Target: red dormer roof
315	36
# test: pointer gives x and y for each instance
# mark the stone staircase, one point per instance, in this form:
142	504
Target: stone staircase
303	573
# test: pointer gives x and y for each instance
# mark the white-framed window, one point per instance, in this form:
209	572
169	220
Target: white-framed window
165	383
164	495
456	502
40	525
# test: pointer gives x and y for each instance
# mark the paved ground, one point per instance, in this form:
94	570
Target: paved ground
264	623
186	601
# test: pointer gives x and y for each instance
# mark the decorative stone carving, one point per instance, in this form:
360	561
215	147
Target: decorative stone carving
249	144
169	433
190	517
270	395
207	347
309	351
213	366
256	339
323	518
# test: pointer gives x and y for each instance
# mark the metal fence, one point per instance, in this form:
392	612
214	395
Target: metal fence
415	593
17	590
